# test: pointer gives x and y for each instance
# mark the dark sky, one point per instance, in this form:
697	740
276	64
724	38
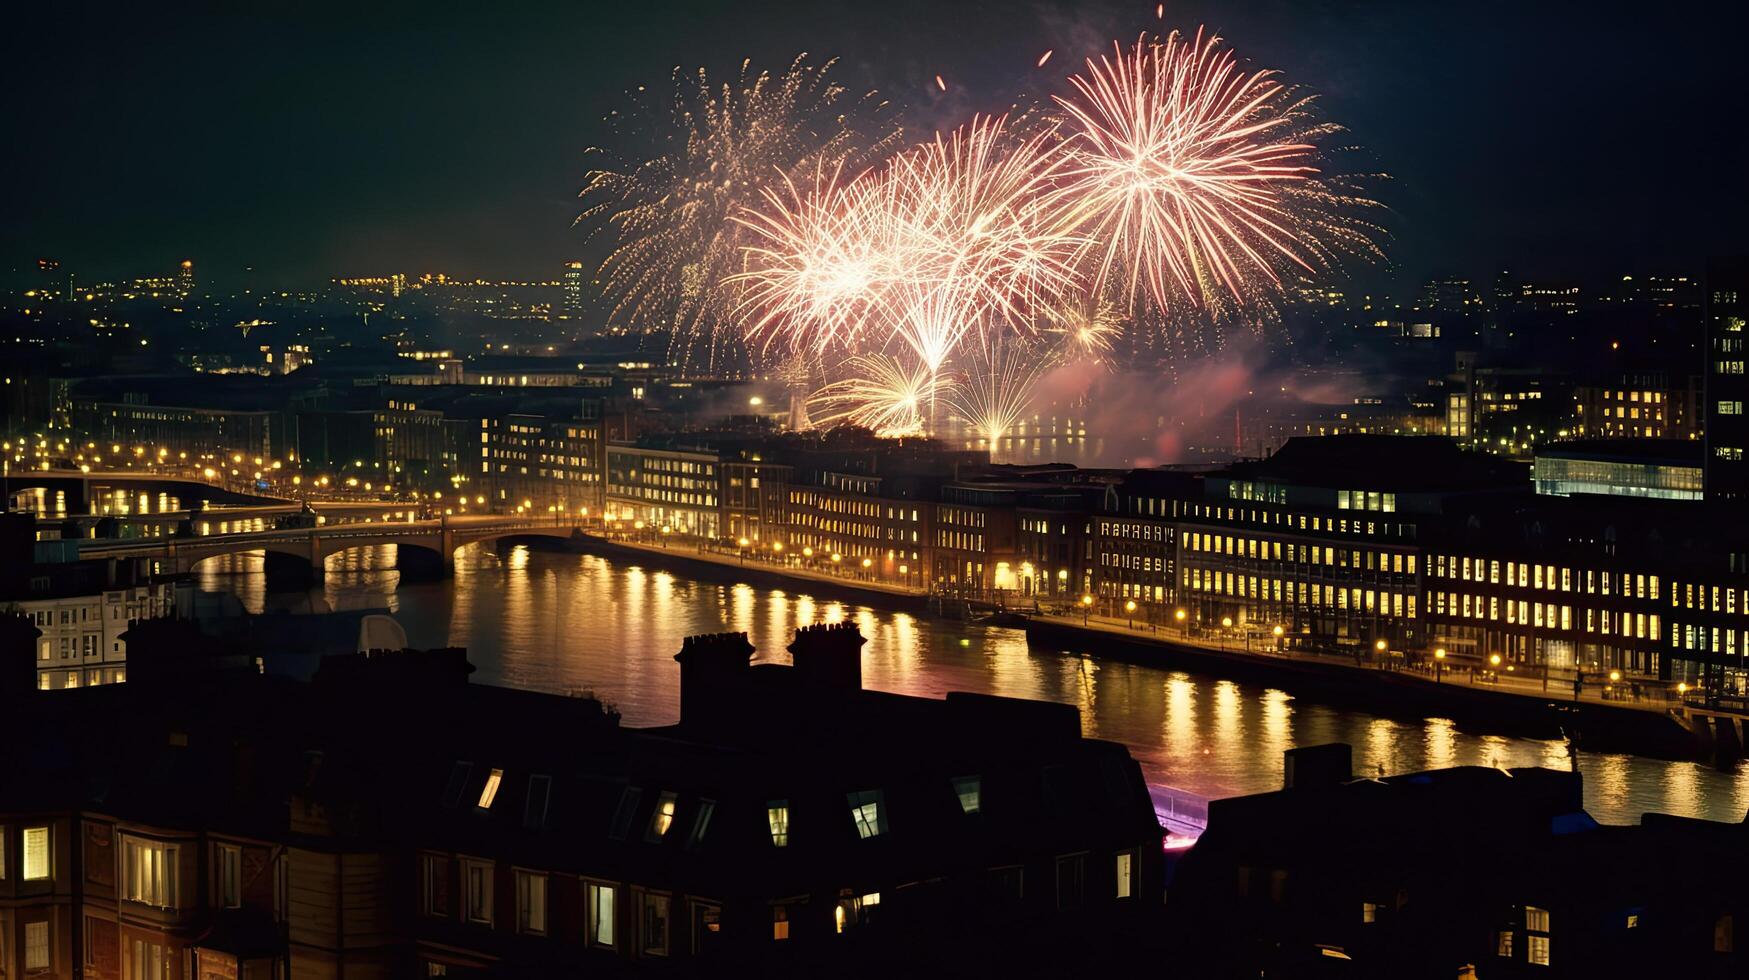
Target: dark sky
312	140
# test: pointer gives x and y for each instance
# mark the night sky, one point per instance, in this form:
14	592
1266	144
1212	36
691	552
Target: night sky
1558	138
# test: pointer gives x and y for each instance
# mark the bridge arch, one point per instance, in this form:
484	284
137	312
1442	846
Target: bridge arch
422	557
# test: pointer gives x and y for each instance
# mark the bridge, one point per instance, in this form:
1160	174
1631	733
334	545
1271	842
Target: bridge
423	548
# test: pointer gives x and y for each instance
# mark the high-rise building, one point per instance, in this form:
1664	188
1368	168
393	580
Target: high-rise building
397	284
1727	388
185	278
573	289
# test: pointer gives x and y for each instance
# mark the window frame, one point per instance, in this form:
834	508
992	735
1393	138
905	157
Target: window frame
649	903
47	870
166	891
486	878
46	946
777	809
526	880
228	875
593	891
868	826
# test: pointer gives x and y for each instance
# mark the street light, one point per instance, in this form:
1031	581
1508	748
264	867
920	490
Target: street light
1439	665
1086	608
1130	607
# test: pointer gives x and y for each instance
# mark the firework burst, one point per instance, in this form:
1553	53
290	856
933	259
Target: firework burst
886	395
1085	326
1197	181
996	393
710	151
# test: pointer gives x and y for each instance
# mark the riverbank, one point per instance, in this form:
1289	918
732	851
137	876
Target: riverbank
1507	706
705	564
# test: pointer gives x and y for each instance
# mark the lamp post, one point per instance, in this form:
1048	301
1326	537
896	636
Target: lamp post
1494	662
1226	627
1277	633
1380	648
1130	607
741	555
1086	608
1178	617
1439	665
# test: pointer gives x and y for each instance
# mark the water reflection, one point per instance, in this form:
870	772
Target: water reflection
566	622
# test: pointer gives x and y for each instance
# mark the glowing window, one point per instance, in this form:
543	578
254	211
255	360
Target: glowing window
36	853
777	817
663	816
866	810
490	791
969	789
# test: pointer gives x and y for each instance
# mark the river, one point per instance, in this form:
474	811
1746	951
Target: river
564	622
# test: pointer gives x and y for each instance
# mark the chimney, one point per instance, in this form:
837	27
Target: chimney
1313	766
18	638
829	655
712	665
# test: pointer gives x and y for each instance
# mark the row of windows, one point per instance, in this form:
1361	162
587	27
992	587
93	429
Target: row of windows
1304	594
1549	578
1137	532
1395	562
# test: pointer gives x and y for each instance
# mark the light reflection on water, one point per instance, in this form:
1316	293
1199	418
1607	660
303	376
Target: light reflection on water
561	622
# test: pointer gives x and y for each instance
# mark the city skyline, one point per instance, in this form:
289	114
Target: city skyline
480	175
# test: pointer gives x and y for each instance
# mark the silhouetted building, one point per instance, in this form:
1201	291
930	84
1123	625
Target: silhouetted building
390	818
1465	872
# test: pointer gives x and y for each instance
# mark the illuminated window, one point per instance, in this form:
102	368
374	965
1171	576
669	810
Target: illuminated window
777	817
1536	935
855	910
867	811
1126	873
490	791
1369	912
531	902
148	872
779	922
969	789
36	945
598	902
662	817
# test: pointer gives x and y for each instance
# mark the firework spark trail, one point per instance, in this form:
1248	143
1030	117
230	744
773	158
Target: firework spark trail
1085	324
883	394
996	393
1197	177
712	149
